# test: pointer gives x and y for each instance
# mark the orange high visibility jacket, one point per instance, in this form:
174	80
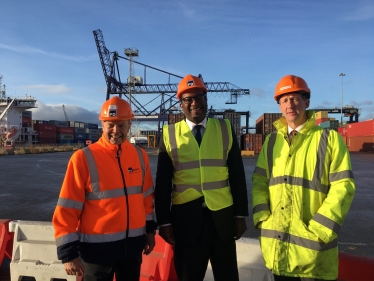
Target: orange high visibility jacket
104	198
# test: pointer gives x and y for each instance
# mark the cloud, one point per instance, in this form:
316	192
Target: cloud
55	112
48	89
364	11
31	50
258	92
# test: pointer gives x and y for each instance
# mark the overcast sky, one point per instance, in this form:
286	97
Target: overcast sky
48	51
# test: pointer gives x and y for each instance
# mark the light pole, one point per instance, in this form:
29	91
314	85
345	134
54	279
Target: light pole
341	113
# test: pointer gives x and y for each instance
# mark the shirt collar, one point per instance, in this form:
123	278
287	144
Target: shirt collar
297	129
192	125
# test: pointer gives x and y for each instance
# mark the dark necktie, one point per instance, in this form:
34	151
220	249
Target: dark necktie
198	134
292	134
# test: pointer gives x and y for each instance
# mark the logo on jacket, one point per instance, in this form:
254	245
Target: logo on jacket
131	170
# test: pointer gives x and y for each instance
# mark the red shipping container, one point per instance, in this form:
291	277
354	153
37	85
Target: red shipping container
364	128
320	120
65	130
45	127
47	135
46	141
26	120
361	143
342	131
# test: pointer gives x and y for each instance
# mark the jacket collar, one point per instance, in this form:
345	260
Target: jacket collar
111	147
282	126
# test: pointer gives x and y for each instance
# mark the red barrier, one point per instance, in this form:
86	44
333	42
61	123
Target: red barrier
6	240
158	265
355	268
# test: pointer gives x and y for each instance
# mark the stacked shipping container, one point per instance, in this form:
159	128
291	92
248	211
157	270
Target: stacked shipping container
252	142
264	124
26	118
234	118
46	133
360	136
92	132
175	118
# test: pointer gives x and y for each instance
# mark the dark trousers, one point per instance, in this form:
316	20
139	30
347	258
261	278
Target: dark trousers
128	270
286	278
191	261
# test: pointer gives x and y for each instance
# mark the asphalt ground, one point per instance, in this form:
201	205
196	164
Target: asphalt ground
30	184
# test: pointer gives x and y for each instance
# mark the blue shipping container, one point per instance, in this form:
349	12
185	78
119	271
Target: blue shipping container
79	136
91	126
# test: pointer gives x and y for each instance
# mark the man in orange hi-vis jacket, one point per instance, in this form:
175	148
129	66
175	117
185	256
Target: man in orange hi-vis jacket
104	218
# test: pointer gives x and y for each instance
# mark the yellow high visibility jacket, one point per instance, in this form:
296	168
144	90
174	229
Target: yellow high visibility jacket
301	195
200	171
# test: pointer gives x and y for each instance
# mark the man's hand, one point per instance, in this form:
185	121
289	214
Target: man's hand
151	243
166	232
240	227
74	267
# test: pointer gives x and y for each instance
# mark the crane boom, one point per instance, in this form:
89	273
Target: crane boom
109	64
66	116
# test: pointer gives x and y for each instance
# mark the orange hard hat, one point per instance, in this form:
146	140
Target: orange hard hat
290	84
116	109
190	82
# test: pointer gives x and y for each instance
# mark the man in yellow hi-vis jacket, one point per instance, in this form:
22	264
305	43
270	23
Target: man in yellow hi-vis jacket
303	187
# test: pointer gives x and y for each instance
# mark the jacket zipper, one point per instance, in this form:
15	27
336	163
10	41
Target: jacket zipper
119	152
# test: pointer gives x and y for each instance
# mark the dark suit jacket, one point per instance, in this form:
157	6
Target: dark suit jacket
186	218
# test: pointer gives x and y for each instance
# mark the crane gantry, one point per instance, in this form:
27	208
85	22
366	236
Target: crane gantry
109	63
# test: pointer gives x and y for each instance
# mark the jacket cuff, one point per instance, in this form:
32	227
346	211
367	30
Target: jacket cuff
70	258
150	227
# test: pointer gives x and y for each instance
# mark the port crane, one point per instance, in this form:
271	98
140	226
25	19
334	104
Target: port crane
109	63
66	116
348	111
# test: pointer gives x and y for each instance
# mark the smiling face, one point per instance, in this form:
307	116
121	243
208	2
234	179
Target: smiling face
293	107
116	131
194	105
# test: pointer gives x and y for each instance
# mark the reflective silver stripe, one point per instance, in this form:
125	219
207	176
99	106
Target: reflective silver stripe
196	164
150	191
317	186
320	161
213	162
215	184
142	164
315	183
329	223
186	165
151	217
260	171
184	187
92	168
270	151
113	193
102	238
68	203
71	237
261	207
225	137
173	146
206	186
131	190
348	174
299	241
204	162
96	194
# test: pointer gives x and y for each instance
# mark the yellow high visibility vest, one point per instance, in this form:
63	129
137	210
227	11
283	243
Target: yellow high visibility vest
301	195
200	171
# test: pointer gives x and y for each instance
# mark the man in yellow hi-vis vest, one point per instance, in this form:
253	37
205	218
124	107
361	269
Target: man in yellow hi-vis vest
302	190
200	194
